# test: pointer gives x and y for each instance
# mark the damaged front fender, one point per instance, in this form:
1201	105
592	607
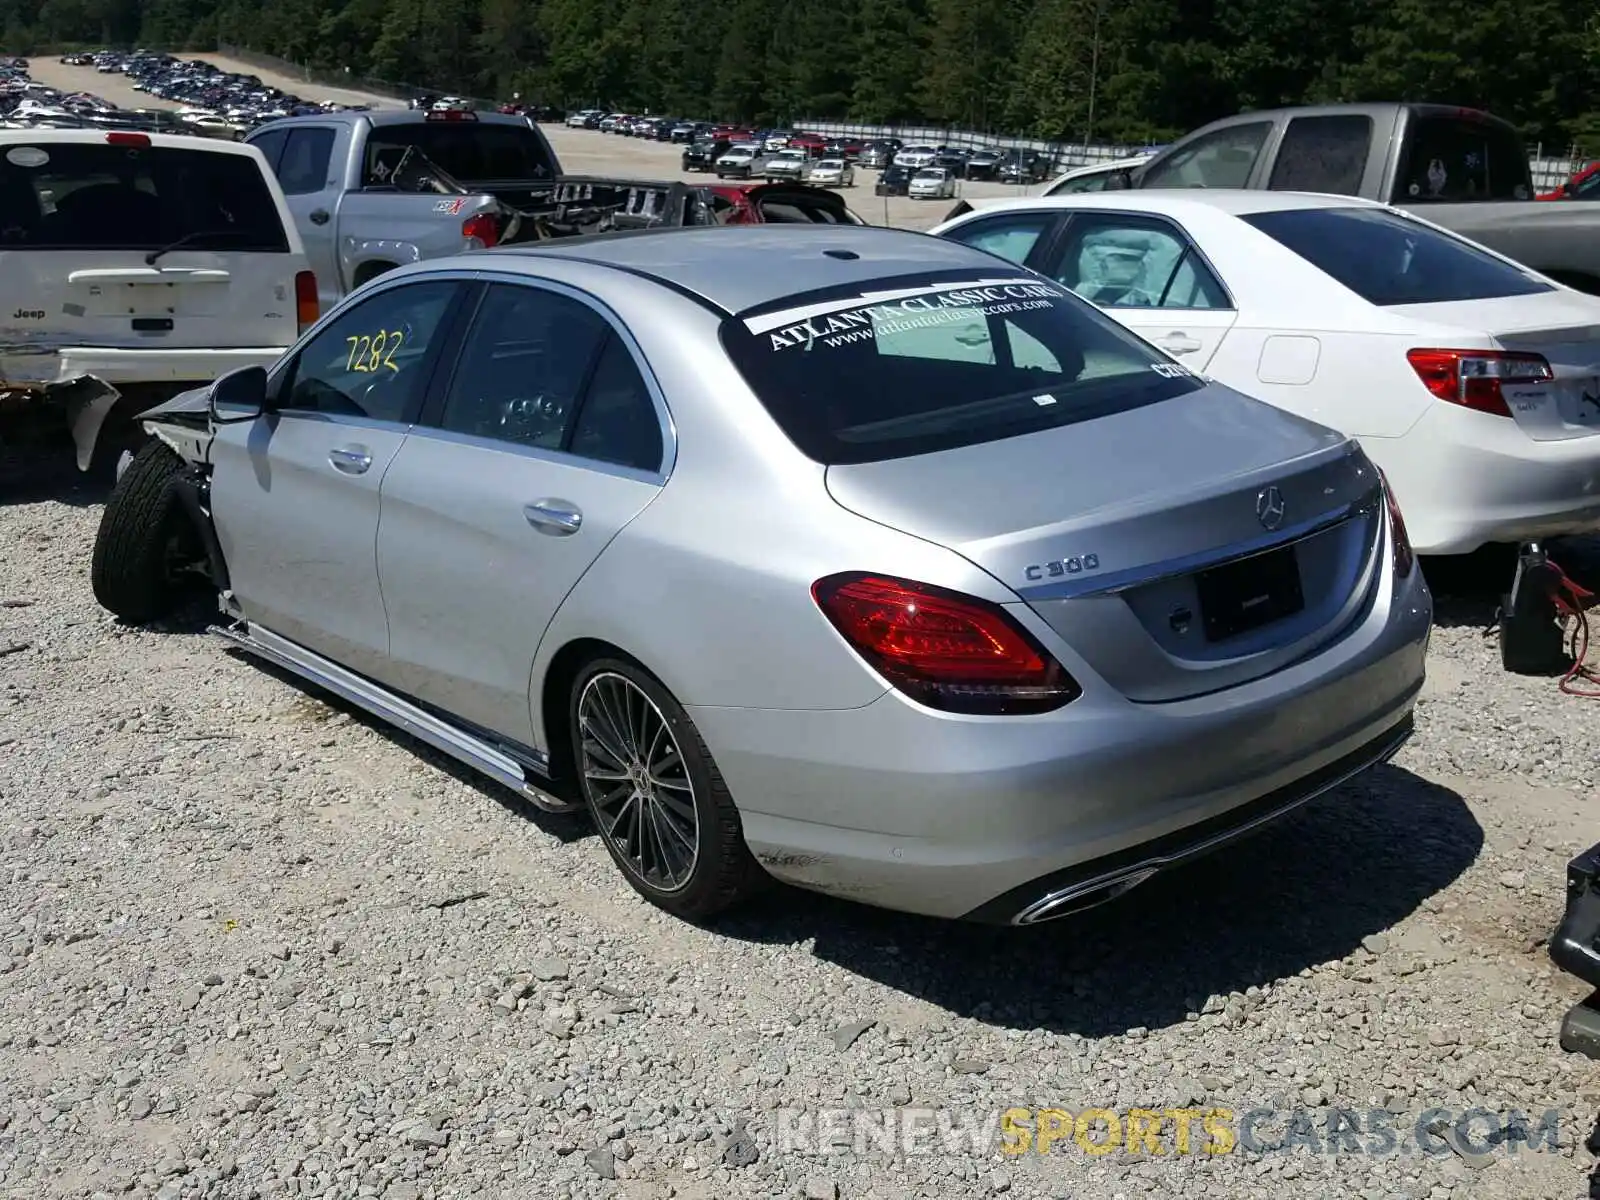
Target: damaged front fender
89	402
82	404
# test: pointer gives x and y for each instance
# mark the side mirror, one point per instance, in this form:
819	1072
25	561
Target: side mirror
240	395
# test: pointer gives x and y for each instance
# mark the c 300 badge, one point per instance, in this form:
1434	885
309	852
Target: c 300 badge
1061	567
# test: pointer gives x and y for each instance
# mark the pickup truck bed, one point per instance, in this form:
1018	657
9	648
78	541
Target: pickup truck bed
370	191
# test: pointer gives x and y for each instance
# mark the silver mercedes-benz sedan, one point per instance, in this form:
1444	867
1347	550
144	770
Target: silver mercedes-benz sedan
854	557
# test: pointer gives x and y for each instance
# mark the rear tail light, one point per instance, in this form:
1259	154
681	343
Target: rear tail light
481	230
307	308
450	114
128	139
943	649
1473	378
1404	557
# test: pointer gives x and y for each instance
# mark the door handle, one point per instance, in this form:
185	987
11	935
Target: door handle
350	461
1178	343
319	216
555	517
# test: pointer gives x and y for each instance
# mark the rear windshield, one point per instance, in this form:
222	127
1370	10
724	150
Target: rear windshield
1462	158
92	196
467	150
1386	258
912	365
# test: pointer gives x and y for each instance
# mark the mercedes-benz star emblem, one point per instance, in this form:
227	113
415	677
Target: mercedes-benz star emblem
1269	508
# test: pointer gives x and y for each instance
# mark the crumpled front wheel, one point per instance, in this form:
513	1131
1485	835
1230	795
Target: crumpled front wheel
145	542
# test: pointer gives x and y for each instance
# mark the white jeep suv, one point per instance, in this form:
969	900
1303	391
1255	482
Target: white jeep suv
134	266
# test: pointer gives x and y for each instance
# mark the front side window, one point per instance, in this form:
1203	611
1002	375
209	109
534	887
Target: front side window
1387	258
119	196
1222	159
303	169
915	364
371	360
270	143
1010	237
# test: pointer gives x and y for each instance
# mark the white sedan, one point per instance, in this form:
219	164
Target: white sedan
931	183
1472	381
832	172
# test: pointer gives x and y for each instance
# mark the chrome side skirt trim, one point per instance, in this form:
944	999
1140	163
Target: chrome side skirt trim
480	755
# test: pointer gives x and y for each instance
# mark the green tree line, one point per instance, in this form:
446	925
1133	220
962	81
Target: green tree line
1110	70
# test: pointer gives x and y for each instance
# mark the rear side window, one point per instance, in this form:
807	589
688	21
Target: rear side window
92	196
1462	158
468	150
1387	259
912	365
1323	154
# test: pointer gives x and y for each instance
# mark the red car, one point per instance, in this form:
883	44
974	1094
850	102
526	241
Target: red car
779	203
1585	185
812	143
731	133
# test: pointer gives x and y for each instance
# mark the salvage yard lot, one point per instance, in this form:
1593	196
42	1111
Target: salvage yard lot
581	151
255	940
256	945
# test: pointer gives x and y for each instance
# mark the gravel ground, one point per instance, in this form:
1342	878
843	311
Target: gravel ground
255	946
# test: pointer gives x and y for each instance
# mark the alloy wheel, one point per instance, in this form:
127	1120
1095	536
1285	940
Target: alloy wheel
637	782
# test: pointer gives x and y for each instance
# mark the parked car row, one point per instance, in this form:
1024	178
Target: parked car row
214	103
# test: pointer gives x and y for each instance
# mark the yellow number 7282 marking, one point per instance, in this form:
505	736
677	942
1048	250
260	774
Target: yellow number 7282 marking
369	352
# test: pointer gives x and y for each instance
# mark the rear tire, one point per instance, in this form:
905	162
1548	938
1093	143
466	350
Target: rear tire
144	534
655	794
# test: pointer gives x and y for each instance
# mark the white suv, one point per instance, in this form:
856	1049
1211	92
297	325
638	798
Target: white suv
134	266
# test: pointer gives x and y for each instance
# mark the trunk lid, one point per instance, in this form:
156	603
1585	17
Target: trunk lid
1564	327
1179	548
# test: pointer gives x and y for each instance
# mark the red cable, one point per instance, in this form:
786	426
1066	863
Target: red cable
1573	601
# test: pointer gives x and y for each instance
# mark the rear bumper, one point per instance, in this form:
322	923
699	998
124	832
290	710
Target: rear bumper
24	367
82	382
1466	479
898	806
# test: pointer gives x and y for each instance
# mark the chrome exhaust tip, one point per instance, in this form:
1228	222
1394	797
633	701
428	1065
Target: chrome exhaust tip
1089	894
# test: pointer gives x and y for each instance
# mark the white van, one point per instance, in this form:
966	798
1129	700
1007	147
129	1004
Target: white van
134	266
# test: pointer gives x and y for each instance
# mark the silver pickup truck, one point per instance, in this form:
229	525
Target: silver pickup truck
1456	167
370	191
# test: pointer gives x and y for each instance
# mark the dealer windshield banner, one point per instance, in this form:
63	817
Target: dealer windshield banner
867	314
